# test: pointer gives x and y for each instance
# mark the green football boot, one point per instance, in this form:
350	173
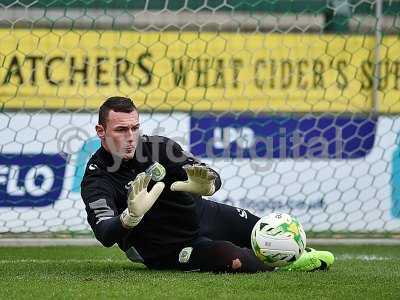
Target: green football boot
311	260
325	257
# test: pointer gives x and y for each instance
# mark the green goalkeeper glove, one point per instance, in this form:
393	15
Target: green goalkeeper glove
139	200
201	181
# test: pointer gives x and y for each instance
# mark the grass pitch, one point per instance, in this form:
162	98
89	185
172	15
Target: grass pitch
360	272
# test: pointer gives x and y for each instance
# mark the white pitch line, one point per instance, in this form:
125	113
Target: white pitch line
333	241
44	242
365	257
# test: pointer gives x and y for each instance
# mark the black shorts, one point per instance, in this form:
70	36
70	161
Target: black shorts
223	244
224	222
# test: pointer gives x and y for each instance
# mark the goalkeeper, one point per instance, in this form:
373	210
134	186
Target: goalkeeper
145	194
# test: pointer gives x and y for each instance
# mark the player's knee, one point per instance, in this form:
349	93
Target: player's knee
230	253
236	264
239	259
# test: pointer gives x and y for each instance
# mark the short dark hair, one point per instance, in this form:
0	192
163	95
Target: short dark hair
117	104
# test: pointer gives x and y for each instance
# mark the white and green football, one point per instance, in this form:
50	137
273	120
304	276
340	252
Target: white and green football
278	239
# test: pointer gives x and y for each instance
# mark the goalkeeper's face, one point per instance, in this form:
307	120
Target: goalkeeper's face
121	133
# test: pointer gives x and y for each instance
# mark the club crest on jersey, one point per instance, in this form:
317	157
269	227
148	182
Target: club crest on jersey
156	171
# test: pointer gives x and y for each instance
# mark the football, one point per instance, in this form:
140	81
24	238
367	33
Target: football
278	239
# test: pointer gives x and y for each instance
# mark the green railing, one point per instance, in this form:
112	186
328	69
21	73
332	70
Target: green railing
337	13
270	6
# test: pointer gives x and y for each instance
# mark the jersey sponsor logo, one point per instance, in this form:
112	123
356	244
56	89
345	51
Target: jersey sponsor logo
263	136
31	180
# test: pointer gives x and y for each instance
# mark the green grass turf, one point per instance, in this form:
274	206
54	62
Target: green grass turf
360	272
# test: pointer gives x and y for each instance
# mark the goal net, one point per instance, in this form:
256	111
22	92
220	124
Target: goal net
295	103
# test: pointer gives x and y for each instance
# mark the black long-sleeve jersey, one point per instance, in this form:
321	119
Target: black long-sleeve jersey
168	225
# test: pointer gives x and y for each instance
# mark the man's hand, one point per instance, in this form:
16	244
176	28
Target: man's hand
201	181
139	200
